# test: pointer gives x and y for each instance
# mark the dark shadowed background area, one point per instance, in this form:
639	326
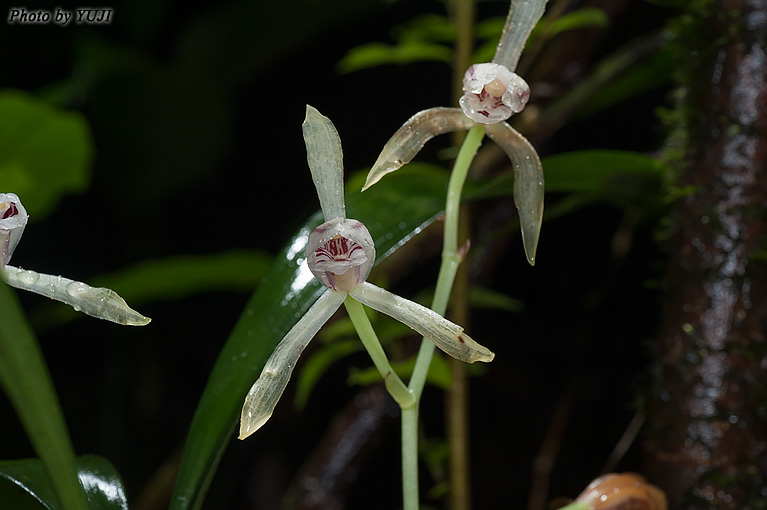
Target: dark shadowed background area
195	110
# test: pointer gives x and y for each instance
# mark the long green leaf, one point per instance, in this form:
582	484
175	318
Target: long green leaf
622	178
25	378
24	485
394	210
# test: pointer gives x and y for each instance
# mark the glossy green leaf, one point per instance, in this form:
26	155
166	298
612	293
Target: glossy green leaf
620	177
45	152
24	484
172	278
394	210
25	378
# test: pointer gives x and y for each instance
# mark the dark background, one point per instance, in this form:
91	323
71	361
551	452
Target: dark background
195	111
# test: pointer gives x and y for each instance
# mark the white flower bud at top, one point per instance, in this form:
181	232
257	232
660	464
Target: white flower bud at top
340	253
13	219
492	93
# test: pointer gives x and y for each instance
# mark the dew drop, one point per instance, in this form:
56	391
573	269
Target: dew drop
28	277
75	289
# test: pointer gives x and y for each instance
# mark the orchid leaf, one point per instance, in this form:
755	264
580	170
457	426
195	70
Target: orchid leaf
25	379
621	178
45	153
25	485
393	211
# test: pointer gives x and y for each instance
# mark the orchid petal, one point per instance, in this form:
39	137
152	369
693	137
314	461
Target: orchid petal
528	182
444	334
13	219
267	390
403	146
523	15
325	157
97	302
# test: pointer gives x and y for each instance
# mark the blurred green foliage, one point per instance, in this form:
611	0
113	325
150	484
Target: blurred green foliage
45	152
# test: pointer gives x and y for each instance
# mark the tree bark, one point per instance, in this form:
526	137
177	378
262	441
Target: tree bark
707	442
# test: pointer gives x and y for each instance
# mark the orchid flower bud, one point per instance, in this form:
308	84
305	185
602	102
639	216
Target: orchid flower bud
624	491
13	219
340	253
492	93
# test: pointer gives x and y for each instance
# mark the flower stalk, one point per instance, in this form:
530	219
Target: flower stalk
447	272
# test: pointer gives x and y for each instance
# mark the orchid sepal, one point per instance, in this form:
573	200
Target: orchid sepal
269	387
325	158
522	18
409	139
528	183
98	302
449	337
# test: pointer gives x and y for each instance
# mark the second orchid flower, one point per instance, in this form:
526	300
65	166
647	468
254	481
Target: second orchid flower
492	94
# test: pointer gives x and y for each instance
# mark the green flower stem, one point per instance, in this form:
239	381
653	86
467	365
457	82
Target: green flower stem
394	385
26	380
450	257
447	271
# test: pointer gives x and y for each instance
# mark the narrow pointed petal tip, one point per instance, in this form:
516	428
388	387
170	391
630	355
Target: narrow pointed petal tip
267	390
528	183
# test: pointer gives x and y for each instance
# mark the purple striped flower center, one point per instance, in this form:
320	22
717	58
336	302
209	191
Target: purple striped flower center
10	210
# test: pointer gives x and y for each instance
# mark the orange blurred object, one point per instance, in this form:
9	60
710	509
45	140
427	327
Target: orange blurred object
624	491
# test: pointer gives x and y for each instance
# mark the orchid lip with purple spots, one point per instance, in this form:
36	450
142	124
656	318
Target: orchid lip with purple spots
492	93
340	253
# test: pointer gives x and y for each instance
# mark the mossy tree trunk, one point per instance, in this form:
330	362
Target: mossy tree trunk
707	438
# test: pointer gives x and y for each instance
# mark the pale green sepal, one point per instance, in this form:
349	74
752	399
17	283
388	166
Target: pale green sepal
98	302
325	157
267	390
528	182
444	334
403	146
523	15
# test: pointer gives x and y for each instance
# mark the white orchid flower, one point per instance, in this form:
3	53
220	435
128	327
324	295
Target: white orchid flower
94	301
340	254
492	93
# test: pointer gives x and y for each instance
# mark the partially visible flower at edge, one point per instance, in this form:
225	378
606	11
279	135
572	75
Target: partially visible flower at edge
13	219
492	93
340	254
94	301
